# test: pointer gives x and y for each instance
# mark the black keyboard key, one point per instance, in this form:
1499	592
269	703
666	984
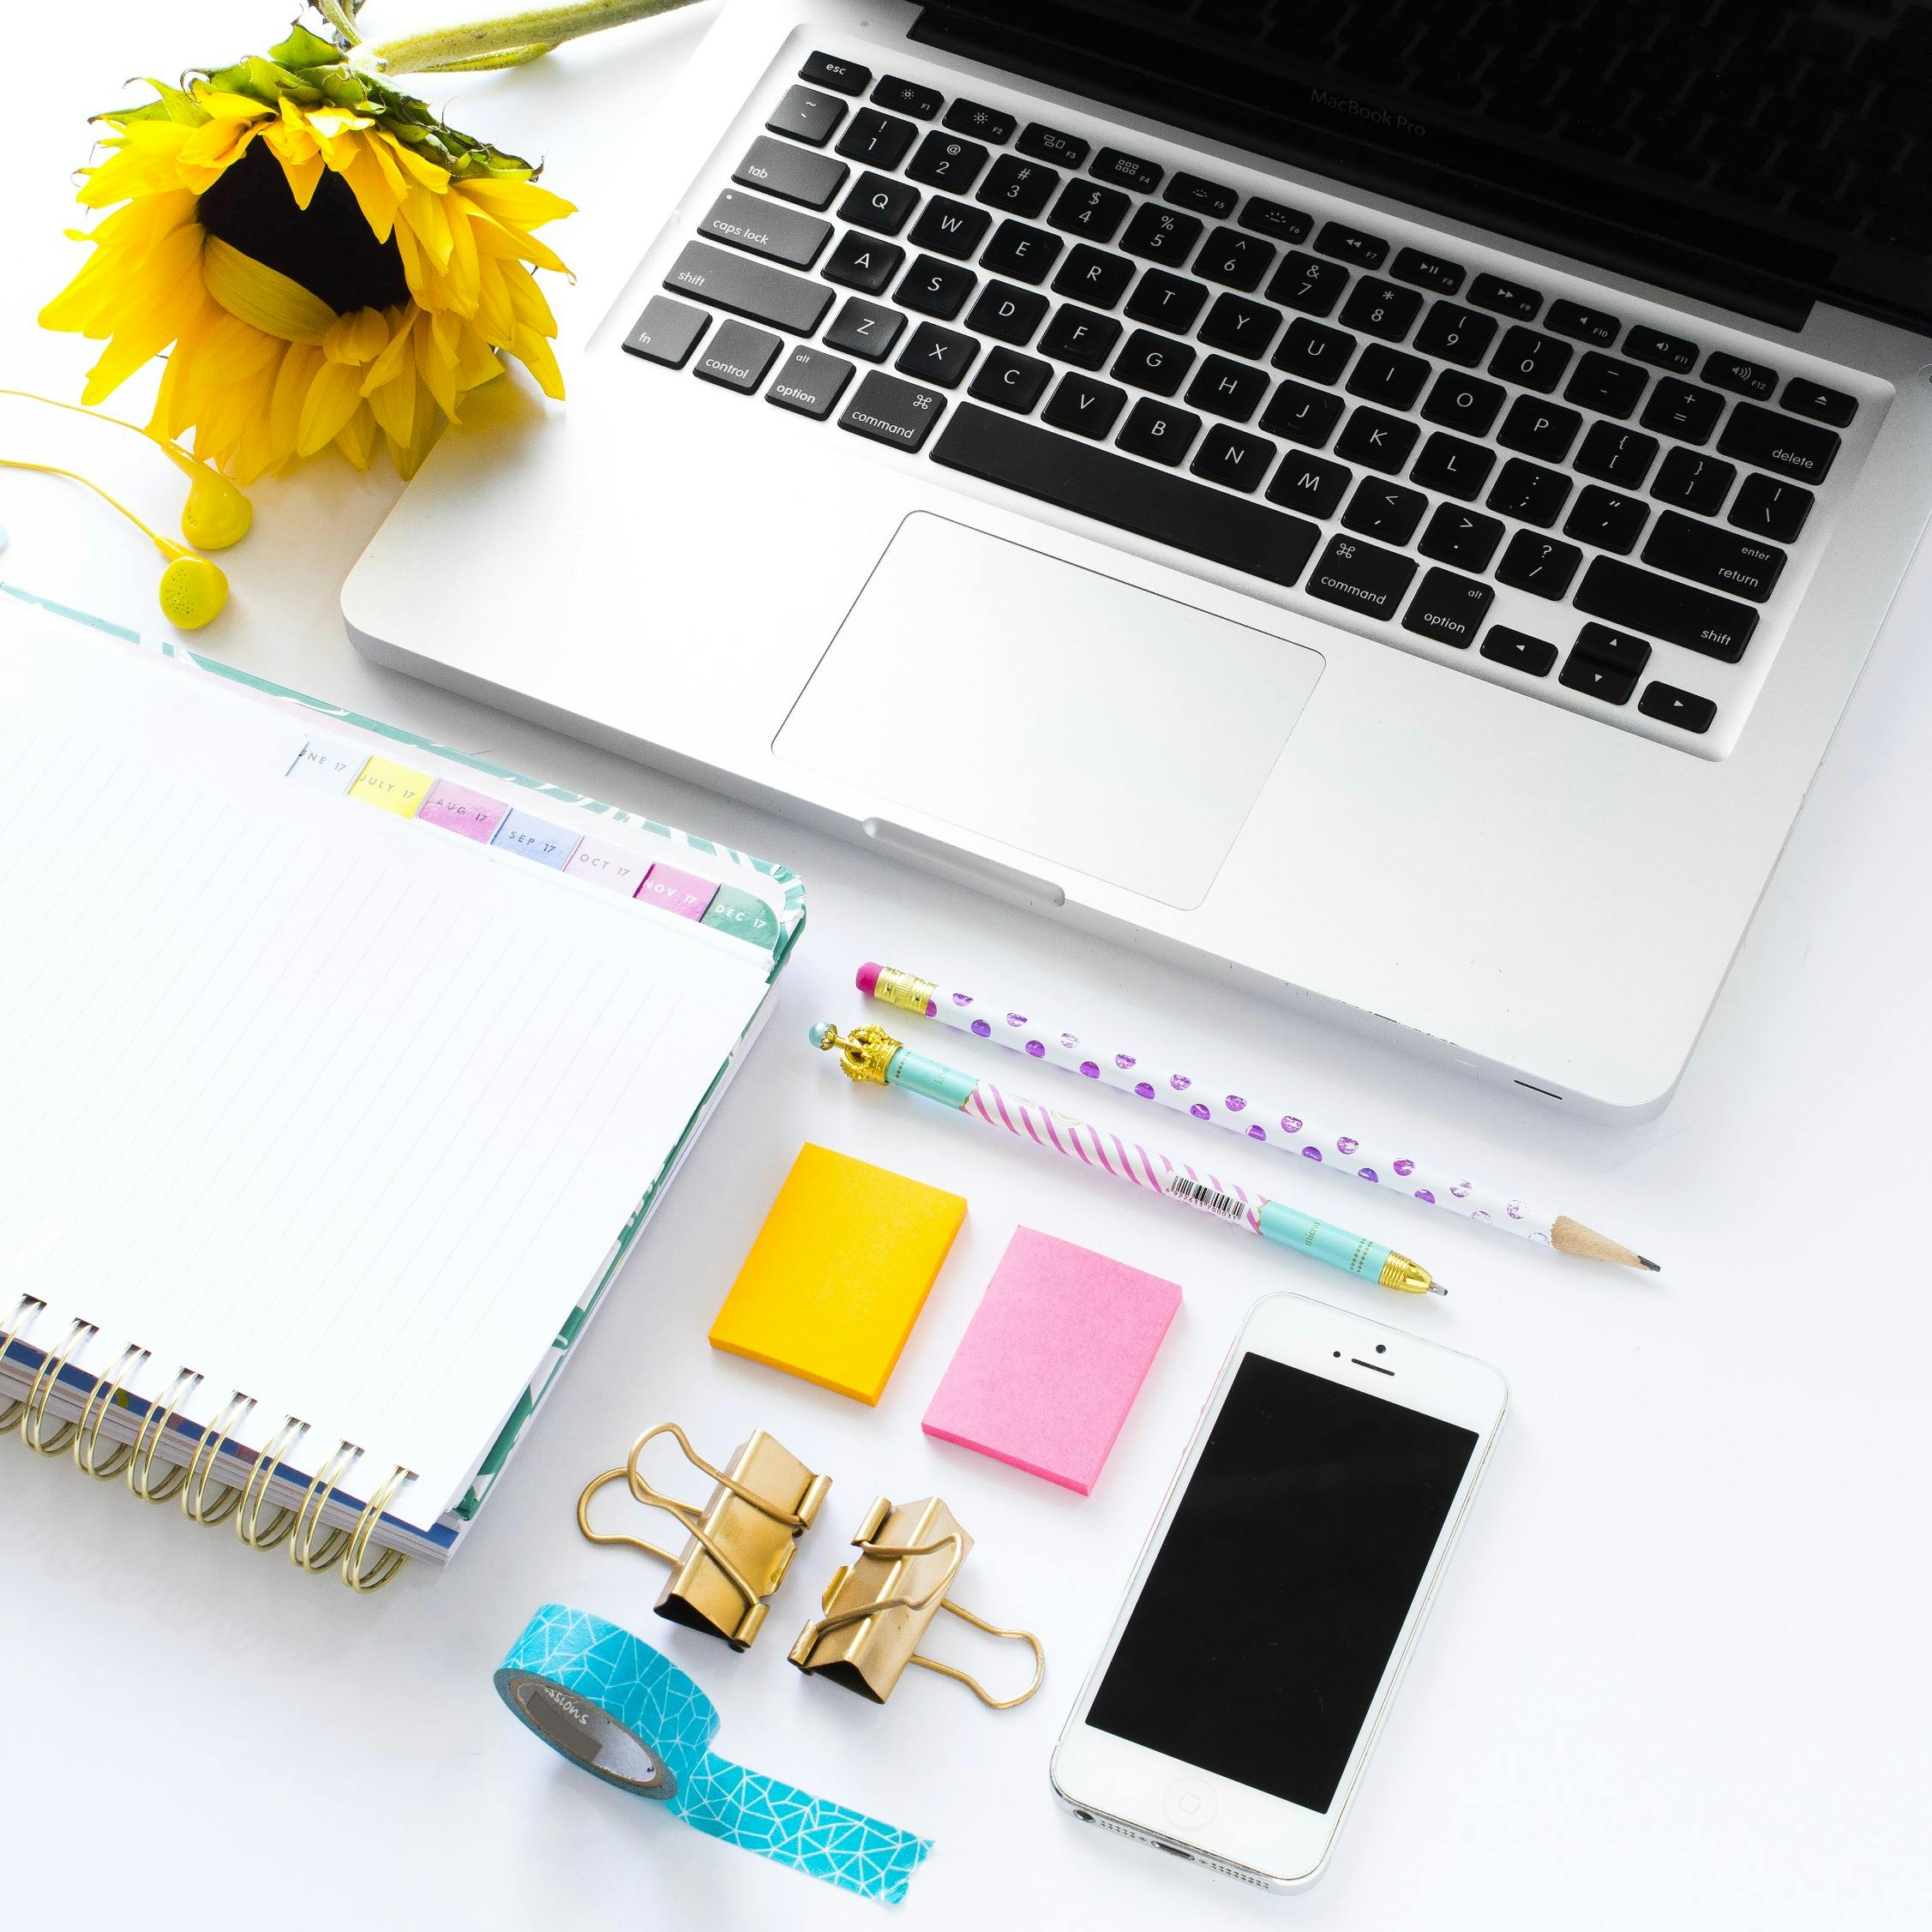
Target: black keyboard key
1049	144
1380	308
1455	468
950	228
1166	301
1448	609
1530	493
1008	313
1022	254
1158	431
737	356
1239	325
1519	650
1582	325
1309	484
945	161
667	331
1693	481
1305	284
1607	520
1544	430
1813	399
1229	389
1683	709
778	168
1536	362
1114	489
810	381
1352	245
1275	219
1616	456
983	123
1361	577
1466	538
1378	442
764	228
1768	507
1093	275
1618	649
1428	270
879	203
1204	197
1505	297
1683	410
1540	565
1012	381
863	261
1464	402
1233	260
1457	334
1085	407
1018	187
1153	362
1232	457
1607	385
1660	350
1303	415
1387	376
935	287
1080	336
1624	595
1085	208
841	77
1313	349
752	289
1741	378
1605	664
807	115
1158	234
882	139
1128	170
864	329
907	97
1707	555
938	356
1386	510
1769	441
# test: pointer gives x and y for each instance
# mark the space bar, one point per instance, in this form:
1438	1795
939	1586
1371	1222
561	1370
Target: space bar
1206	523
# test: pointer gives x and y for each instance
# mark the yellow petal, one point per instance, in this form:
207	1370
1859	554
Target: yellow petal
358	338
397	356
335	395
435	370
424	212
371	188
394	404
522	203
357	437
298	365
534	353
418	167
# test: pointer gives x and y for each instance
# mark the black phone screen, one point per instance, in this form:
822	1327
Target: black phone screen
1269	1614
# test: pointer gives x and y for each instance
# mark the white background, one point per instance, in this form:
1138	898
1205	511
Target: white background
1677	1673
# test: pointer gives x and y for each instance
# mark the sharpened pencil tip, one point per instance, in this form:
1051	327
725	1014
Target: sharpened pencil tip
1656	1268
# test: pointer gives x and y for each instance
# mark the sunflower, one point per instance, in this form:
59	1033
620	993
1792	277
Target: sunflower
323	259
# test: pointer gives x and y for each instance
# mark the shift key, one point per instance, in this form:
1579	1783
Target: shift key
764	228
749	289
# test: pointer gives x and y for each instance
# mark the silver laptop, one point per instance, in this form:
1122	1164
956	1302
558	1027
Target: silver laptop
1385	502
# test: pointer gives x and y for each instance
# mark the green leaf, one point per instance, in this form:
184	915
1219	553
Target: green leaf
305	49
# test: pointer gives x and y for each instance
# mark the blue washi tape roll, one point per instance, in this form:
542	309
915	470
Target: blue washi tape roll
624	1712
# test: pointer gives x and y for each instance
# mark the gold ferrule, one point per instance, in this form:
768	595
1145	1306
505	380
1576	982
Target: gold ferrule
865	1052
903	990
1411	1277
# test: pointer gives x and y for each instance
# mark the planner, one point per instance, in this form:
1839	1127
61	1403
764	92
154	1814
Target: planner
339	1072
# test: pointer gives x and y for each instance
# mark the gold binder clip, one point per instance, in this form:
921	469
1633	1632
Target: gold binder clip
879	1608
741	1541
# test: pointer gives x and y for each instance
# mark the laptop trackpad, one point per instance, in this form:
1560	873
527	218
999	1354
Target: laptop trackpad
1082	720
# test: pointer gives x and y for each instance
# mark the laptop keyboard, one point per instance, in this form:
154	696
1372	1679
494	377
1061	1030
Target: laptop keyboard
1561	499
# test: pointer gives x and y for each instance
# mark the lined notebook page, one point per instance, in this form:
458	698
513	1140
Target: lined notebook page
334	1107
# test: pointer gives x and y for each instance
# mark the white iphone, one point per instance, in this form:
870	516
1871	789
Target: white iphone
1270	1617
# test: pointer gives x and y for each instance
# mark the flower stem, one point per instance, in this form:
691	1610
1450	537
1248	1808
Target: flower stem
478	44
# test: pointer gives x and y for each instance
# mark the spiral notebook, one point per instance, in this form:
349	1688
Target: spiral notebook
339	1072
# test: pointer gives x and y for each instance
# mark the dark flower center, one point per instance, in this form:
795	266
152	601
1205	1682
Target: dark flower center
328	247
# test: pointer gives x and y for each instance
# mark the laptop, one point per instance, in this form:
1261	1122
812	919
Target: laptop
1385	501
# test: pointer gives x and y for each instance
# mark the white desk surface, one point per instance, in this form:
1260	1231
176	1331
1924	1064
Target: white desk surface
1676	1676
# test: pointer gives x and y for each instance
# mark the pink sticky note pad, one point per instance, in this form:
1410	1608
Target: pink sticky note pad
1052	1360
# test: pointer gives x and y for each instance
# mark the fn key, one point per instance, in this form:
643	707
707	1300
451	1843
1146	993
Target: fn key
889	410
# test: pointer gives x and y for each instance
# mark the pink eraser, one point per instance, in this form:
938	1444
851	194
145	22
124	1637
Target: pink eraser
1052	1360
868	977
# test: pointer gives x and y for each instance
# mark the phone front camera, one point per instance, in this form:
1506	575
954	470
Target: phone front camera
1382	1347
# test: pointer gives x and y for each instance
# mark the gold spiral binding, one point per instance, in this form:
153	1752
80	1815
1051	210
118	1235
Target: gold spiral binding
100	1399
24	1310
148	1438
388	1561
248	1515
33	1416
194	1505
302	1551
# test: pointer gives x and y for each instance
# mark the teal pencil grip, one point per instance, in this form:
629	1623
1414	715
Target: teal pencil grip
918	1074
1334	1245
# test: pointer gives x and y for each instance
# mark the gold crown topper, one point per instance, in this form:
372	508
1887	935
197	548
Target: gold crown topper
865	1052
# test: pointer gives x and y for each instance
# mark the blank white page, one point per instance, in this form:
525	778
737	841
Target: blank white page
335	1108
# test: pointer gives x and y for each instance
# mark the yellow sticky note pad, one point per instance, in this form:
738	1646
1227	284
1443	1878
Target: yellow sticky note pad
394	787
838	1273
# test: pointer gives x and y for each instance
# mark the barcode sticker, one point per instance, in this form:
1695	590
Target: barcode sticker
1209	1200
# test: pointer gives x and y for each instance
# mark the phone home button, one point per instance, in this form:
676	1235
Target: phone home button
1189	1805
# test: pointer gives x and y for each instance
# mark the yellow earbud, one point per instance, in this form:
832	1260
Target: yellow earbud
192	590
216	513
